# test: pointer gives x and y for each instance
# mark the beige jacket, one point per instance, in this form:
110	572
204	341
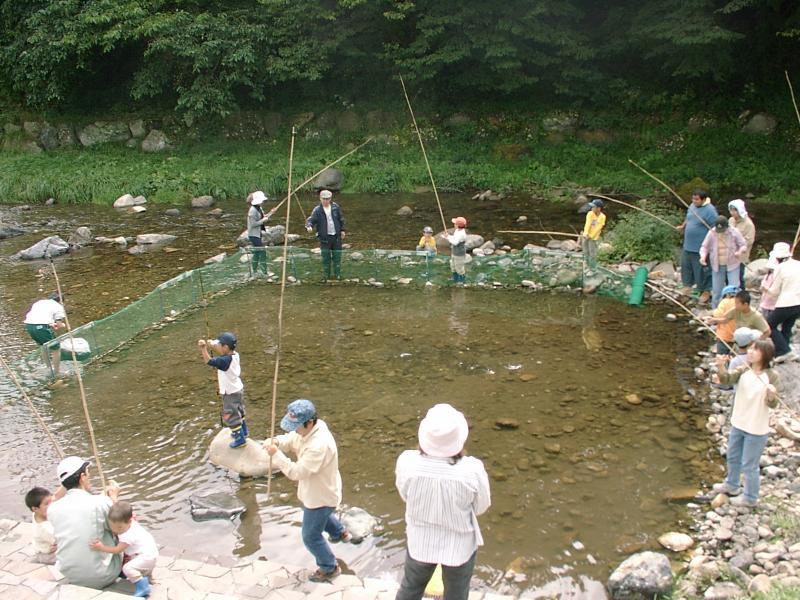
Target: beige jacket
785	286
317	467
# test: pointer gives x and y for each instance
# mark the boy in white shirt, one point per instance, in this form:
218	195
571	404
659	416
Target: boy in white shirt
42	322
230	383
38	500
135	542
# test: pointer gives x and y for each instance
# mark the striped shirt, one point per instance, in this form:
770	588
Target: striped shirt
442	504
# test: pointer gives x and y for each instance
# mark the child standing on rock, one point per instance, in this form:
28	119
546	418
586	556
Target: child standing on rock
756	393
231	387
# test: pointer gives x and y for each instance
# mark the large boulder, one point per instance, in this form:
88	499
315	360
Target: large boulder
642	576
103	132
156	141
250	460
48	137
474	241
138	129
82	236
66	135
760	124
217	505
154	238
203	202
49	246
329	179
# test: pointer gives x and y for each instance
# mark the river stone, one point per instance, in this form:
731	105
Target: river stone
218	505
137	128
723	591
569	246
82	236
329	179
677	542
154	238
127	201
203	202
138	209
8	231
633	399
506	423
404	211
760	584
250	460
103	132
172	212
155	141
49	246
760	124
273	236
641	577
358	522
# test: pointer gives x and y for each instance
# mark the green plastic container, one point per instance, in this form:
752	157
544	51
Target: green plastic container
637	293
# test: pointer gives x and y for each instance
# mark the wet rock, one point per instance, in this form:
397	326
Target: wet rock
217	212
358	522
672	317
552	448
633	399
641	577
527	377
82	236
723	591
400	419
677	542
404	211
138	209
329	179
681	494
522	219
156	141
127	201
202	202
9	231
172	212
48	247
506	423
219	505
250	460
155	238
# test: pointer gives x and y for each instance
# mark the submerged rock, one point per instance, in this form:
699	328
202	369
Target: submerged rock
358	522
641	577
155	238
49	246
7	231
218	505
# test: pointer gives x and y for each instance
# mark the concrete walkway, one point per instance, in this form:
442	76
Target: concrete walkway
181	578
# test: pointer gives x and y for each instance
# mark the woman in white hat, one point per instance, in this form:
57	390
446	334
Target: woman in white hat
444	492
785	289
256	224
742	222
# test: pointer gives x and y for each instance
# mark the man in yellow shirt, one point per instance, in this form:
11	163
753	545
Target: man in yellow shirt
595	221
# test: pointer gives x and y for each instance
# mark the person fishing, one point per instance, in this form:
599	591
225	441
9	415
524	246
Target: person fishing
328	220
592	228
256	225
44	320
458	249
700	217
230	384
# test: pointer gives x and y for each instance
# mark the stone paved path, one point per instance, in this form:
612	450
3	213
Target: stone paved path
179	577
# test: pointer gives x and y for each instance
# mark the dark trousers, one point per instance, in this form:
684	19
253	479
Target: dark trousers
232	409
416	576
781	320
259	256
331	248
693	273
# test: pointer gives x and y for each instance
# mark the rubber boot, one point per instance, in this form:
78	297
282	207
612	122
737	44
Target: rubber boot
244	428
455	277
142	588
238	436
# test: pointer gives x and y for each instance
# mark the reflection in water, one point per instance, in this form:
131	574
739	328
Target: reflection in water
577	472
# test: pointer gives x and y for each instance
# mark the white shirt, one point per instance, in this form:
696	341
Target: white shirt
140	542
329	217
443	501
786	284
230	381
750	408
45	312
317	466
458	236
43	536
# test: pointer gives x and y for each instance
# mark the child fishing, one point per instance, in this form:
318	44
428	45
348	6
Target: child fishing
231	387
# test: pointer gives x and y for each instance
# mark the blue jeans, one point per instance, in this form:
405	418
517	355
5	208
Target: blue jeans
744	452
416	576
718	279
693	273
315	521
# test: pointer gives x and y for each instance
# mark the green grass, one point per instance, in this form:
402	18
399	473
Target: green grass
786	525
469	157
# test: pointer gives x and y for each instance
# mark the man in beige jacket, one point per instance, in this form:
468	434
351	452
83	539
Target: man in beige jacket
319	483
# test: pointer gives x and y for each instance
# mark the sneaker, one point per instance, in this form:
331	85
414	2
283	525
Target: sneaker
724	488
320	576
742	501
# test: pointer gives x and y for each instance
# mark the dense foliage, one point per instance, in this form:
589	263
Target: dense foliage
209	57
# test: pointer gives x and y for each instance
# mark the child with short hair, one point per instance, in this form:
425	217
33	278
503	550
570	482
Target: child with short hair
725	329
135	542
231	387
427	243
38	500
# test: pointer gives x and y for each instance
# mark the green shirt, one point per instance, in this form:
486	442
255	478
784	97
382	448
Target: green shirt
753	320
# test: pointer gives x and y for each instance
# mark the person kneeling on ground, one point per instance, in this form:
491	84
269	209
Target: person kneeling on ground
78	518
444	492
135	543
319	482
756	393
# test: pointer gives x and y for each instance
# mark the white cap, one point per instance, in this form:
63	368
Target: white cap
258	198
69	466
326	194
781	250
443	431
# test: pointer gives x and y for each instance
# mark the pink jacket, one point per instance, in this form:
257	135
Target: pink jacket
736	248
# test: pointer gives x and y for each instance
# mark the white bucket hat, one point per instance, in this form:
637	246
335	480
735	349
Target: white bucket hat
443	431
258	198
326	194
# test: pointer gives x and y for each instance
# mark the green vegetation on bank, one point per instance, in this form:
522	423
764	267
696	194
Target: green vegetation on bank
501	153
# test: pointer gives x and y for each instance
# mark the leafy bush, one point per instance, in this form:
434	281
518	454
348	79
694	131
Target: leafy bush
638	236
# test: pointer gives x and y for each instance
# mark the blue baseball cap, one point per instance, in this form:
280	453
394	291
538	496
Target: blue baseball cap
226	338
730	290
597	203
297	413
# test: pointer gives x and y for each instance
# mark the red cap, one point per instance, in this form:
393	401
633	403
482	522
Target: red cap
459	222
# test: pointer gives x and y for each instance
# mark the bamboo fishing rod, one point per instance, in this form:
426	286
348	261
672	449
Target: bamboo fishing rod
797	113
633	206
328	166
76	368
564	233
651	176
35	412
424	154
280	317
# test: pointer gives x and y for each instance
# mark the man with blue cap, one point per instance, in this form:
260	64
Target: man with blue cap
319	483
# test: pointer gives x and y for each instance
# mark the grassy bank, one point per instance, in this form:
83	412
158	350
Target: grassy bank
496	153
